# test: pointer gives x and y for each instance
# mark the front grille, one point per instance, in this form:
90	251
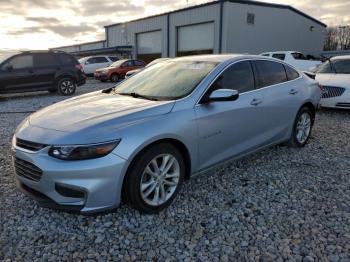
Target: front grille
332	91
27	170
343	104
32	146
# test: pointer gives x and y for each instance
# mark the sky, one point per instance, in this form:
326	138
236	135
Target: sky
42	24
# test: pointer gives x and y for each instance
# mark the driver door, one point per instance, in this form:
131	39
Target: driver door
17	74
231	128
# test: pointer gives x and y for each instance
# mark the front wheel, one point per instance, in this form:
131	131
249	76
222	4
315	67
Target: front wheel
66	86
302	128
155	178
114	78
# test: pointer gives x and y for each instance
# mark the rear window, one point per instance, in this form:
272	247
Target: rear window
279	56
66	59
342	66
44	60
291	73
138	63
269	73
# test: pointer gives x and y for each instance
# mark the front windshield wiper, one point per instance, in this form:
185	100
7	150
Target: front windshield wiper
137	95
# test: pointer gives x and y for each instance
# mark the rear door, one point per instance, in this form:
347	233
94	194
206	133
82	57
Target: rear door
17	74
231	128
282	96
45	67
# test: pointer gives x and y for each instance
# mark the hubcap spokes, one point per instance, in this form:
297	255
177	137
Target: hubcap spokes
303	127
67	87
160	179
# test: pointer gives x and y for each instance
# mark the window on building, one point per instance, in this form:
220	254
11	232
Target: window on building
270	73
250	19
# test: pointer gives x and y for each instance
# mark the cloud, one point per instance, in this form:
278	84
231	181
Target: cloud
121	7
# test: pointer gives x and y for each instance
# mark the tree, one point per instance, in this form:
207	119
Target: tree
337	38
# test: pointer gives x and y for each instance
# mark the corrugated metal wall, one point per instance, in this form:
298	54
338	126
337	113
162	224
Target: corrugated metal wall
274	29
92	46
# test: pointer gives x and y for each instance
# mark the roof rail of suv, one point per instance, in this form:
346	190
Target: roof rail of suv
41	51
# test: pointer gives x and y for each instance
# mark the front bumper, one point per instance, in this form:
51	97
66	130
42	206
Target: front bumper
342	101
100	76
86	186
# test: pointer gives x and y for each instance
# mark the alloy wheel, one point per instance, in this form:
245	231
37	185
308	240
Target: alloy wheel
303	127
67	87
160	179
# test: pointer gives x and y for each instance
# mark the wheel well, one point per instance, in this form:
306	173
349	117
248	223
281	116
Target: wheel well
64	76
113	75
312	108
179	145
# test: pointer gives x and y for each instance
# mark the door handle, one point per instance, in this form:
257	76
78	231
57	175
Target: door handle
256	102
293	91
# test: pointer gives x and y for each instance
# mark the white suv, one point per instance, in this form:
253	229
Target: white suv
92	63
295	59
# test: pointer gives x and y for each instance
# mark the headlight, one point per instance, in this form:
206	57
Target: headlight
82	152
104	72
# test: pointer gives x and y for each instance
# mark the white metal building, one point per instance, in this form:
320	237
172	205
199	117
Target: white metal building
225	26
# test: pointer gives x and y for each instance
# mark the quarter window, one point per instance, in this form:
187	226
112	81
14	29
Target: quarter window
113	58
238	77
269	73
291	73
66	59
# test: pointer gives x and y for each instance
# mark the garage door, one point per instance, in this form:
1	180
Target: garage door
195	39
149	46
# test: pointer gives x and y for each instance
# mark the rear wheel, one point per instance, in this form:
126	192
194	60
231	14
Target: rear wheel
114	78
66	86
155	178
302	128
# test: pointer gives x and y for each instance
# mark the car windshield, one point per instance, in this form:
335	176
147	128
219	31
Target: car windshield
118	63
167	80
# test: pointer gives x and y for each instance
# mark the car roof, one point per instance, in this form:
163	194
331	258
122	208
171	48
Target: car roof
285	52
218	58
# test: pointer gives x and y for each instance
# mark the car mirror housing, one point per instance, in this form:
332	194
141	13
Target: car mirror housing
223	95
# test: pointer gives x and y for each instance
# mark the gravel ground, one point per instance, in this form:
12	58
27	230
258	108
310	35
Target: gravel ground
279	204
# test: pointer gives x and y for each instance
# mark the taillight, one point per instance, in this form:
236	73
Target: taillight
79	67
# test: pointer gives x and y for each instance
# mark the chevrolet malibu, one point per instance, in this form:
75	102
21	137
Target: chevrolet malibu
141	140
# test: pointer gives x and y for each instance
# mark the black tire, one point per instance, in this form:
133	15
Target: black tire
114	78
66	86
103	81
294	141
52	91
135	176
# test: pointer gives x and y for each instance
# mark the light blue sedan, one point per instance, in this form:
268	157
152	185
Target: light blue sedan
142	139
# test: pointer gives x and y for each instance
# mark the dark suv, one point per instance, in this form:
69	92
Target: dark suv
41	70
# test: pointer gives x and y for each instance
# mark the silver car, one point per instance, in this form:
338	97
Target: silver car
142	139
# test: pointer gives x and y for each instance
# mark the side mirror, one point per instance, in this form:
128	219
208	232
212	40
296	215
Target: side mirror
223	95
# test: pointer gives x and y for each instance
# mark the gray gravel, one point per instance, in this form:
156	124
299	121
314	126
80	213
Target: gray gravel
279	204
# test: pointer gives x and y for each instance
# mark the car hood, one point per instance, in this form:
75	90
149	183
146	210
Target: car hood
97	110
339	80
104	69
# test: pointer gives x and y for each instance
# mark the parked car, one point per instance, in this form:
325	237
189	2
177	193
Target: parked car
92	63
117	70
334	76
295	59
132	72
158	128
40	71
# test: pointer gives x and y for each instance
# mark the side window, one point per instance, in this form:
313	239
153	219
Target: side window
91	60
66	59
113	58
239	77
266	55
138	63
44	60
279	56
128	64
269	73
299	56
291	73
20	62
342	66
101	59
